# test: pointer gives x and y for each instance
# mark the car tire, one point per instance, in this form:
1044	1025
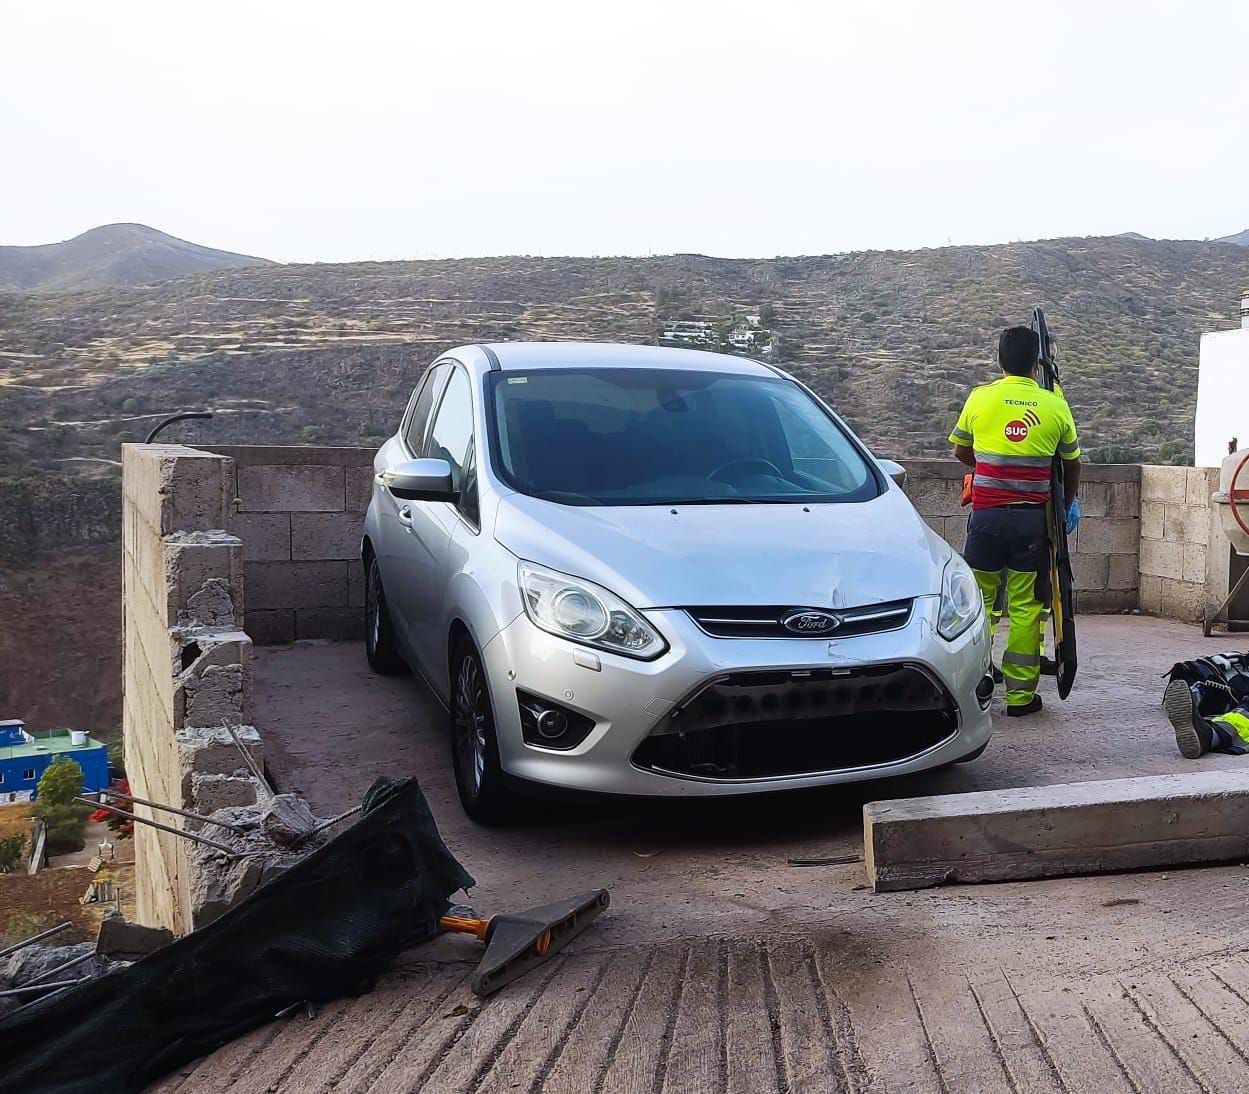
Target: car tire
379	632
474	744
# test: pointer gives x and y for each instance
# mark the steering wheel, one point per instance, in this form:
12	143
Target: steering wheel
747	461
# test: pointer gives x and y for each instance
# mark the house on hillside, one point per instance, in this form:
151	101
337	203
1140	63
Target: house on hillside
24	758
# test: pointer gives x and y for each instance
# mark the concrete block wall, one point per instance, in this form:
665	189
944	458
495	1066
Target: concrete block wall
185	661
299	512
1105	550
1184	554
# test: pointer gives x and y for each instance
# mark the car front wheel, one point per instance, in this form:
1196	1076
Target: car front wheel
474	746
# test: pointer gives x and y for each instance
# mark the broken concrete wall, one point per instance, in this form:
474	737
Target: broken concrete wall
186	660
300	516
1105	549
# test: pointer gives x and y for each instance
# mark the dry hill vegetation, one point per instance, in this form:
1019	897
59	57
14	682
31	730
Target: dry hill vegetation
328	354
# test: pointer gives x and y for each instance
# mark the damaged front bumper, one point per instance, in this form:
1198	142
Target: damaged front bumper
721	716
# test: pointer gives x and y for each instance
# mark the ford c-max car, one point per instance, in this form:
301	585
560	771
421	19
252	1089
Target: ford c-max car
648	571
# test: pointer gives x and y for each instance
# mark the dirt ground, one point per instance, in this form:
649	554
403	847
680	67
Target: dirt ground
14	820
720	967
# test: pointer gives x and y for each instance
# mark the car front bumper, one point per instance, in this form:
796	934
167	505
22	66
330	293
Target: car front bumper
628	699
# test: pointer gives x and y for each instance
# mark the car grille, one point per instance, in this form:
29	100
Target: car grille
769	724
753	621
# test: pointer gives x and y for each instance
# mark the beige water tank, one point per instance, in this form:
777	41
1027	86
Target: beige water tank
1222	499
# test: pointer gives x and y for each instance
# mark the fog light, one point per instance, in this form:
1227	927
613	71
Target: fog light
550	725
984	691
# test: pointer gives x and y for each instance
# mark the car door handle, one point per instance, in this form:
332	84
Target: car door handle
405	516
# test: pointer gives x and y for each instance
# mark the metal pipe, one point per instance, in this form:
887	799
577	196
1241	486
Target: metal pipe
248	759
61	968
176	418
30	989
36	938
163	827
171	809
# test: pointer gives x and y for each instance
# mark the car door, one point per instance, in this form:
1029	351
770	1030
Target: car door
393	531
431	523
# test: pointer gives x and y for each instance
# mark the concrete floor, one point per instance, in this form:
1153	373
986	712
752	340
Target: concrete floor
722	967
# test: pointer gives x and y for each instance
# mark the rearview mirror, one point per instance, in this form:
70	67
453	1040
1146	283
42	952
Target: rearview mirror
420	480
894	470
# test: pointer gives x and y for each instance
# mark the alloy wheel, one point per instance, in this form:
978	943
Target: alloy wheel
470	724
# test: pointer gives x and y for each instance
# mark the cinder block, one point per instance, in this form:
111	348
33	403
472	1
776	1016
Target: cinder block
355	584
1182	600
291	488
1196	525
337	624
1091	571
213	697
325	536
359	488
1095	499
1108	535
1200	483
266	536
247	455
1160	483
212	792
193	562
955	531
1195	563
1093	601
1124	572
271	628
296	585
1125	499
208	750
1151	594
935	497
1162	559
1152	519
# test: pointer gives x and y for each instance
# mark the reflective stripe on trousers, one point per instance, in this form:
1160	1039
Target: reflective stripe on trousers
1021	663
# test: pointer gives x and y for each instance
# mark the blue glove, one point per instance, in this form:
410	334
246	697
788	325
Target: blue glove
1073	515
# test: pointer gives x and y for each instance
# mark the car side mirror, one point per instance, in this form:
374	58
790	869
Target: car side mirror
420	480
894	470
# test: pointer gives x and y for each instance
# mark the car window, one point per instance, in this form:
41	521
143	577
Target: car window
604	436
414	431
451	436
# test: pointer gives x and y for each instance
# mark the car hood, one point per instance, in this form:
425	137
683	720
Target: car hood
657	556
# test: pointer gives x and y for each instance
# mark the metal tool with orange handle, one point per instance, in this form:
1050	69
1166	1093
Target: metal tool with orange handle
516	943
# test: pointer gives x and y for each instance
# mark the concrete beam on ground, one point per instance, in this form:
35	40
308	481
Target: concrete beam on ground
1053	831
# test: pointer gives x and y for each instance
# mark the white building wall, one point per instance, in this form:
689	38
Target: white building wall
1222	395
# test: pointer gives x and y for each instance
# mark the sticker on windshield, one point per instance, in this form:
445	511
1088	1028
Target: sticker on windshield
518	379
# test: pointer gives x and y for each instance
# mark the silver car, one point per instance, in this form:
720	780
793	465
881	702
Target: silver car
650	571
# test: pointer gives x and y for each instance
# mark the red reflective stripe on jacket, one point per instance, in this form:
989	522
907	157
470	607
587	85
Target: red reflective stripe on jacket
991	497
1026	474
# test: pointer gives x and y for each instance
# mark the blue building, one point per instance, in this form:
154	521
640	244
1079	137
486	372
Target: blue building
24	758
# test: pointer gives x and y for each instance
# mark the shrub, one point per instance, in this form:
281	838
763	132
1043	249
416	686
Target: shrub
64	824
11	852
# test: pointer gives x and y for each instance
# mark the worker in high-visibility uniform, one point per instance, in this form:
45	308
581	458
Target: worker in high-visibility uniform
1209	715
1008	433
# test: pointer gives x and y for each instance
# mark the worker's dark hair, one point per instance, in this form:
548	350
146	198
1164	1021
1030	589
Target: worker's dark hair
1017	350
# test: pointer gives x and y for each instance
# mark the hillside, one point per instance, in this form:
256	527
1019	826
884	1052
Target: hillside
329	353
1241	239
112	255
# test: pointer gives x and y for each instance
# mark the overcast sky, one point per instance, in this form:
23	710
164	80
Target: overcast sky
368	130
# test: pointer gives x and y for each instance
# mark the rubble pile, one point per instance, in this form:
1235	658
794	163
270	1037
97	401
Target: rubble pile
35	962
265	839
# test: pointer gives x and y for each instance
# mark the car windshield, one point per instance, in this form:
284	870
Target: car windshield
661	436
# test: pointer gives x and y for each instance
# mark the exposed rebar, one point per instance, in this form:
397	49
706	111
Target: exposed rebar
163	827
31	989
89	955
36	938
173	809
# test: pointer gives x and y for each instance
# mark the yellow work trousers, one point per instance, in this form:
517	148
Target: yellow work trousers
1021	663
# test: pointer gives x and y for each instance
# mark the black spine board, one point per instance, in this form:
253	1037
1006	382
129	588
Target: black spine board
1062	584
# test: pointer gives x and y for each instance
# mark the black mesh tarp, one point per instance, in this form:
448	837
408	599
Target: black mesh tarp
323	929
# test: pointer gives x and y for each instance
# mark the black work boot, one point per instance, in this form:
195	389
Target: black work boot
1049	667
1026	709
996	673
1193	734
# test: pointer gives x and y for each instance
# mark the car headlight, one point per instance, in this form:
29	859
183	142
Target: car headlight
584	612
961	601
